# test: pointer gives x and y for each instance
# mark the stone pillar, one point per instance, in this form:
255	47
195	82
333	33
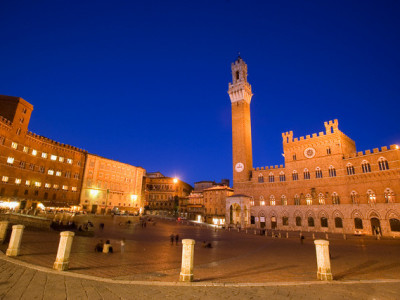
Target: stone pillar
3	231
64	249
15	240
187	260
323	260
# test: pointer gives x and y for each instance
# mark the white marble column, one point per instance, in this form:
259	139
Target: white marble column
187	260
323	260
3	230
64	249
15	240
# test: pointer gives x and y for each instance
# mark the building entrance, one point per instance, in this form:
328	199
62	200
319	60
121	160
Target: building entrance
376	226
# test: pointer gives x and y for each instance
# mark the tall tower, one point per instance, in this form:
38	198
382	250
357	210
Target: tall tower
240	94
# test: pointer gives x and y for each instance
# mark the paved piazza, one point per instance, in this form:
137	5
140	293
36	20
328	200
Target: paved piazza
239	265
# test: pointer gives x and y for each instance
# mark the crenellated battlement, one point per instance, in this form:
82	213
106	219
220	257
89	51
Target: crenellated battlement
5	121
50	141
330	127
369	152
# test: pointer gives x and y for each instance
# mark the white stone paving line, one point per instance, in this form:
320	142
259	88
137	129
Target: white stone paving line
177	283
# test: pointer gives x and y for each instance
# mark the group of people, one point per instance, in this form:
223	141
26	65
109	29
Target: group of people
107	248
174	237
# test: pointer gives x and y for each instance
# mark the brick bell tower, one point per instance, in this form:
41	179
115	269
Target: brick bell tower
240	94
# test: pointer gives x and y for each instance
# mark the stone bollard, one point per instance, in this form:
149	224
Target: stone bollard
238	229
279	235
255	231
64	249
15	240
326	236
3	231
246	231
187	260
323	260
344	236
287	235
313	236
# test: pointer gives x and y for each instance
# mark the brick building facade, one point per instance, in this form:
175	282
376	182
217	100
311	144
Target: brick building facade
109	185
325	184
34	169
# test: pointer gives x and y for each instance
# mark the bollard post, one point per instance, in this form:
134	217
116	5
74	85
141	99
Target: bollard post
64	249
3	231
287	234
326	236
323	260
344	236
313	236
187	260
15	240
255	231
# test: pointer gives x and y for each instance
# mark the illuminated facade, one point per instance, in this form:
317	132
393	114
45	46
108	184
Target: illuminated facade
33	168
111	186
325	184
164	193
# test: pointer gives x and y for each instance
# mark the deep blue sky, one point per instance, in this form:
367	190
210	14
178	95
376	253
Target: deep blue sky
146	82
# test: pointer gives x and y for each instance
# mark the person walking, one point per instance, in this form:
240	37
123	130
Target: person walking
176	239
172	237
123	245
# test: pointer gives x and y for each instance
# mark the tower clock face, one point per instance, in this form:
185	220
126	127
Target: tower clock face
309	152
239	167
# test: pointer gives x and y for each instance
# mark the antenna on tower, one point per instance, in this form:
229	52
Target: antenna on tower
239	55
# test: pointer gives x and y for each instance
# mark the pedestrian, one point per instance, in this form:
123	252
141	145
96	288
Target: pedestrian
99	246
172	237
176	239
123	245
301	239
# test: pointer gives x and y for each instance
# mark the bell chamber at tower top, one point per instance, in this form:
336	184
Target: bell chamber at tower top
239	89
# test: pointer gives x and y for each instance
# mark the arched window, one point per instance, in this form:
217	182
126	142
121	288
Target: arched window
358	224
371	197
260	178
389	196
332	171
354	197
328	150
350	169
298	221
338	222
335	198
271	177
321	199
366	167
295	175
324	222
296	200
310	221
308	199
383	164
262	201
283	200
282	176
318	172
394	224
306	174
272	200
285	221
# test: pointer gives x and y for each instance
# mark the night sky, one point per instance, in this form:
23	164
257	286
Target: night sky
146	82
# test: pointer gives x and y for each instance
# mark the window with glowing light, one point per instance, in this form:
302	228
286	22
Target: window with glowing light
38	184
58	173
53	157
26	149
14	145
4	179
17	180
27	182
10	160
34	152
44	155
50	172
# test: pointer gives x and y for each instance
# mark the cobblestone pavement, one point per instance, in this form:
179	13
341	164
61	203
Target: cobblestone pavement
18	281
236	258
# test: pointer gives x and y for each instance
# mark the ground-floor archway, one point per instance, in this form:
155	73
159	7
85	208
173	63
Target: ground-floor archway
376	226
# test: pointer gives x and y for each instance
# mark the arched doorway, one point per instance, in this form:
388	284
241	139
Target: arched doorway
376	226
273	222
235	211
262	220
